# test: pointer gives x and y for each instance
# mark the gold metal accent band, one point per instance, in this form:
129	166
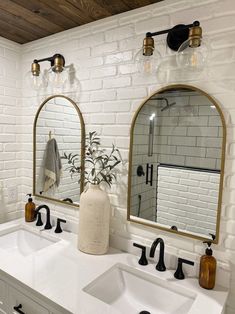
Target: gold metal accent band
58	64
195	36
82	151
148	46
35	69
222	165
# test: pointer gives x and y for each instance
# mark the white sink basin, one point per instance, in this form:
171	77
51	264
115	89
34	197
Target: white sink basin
131	291
24	242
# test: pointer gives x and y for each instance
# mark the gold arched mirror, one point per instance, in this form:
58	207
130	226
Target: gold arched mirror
176	169
58	130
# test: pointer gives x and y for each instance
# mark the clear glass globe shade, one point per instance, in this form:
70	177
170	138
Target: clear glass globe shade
147	65
193	59
56	79
72	86
33	82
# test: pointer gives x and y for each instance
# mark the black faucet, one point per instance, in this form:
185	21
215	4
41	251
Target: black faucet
143	260
179	274
48	222
160	265
58	227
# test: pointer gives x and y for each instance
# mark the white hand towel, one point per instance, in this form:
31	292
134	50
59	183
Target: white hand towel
52	166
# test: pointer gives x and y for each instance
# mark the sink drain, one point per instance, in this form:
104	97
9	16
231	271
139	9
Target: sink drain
144	312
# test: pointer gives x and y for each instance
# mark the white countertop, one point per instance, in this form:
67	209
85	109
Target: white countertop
59	272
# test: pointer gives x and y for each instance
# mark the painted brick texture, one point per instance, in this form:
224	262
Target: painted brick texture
111	91
10	131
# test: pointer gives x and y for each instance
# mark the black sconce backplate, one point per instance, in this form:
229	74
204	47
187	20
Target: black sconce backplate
176	36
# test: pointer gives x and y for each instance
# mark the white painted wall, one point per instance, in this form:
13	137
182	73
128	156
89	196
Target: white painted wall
112	90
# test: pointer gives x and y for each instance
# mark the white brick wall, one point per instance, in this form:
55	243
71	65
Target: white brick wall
10	130
217	19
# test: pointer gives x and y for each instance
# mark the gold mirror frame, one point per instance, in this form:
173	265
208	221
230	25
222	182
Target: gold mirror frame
153	224
82	149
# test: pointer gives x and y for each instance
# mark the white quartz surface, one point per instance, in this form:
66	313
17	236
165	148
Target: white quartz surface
60	272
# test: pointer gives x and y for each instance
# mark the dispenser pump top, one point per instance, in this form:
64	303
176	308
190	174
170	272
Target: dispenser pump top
30	198
209	242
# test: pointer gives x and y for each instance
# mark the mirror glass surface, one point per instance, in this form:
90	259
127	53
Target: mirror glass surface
176	162
58	129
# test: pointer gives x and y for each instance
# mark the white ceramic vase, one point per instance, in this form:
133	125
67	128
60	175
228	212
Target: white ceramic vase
94	216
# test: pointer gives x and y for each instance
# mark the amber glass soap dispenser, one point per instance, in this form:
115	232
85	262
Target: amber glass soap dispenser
207	272
30	210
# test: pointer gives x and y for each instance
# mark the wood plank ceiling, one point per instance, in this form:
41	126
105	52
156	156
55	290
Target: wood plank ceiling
26	20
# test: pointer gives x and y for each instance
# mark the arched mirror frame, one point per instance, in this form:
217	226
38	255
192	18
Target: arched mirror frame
153	224
82	149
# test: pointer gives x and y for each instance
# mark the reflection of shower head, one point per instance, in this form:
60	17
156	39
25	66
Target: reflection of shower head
167	103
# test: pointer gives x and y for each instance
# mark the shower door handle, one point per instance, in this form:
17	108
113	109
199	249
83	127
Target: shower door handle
149	173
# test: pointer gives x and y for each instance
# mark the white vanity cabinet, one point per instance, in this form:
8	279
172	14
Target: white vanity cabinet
3	297
16	298
25	304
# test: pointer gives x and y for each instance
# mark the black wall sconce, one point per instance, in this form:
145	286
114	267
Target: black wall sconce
185	39
37	80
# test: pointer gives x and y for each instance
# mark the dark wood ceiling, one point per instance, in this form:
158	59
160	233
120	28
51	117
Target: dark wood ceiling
26	20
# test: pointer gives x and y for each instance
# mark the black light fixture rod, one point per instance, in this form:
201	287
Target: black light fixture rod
50	59
44	59
165	31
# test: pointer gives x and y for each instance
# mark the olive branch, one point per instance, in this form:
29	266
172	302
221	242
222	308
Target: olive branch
99	165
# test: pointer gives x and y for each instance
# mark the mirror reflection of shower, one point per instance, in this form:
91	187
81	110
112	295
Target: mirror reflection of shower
151	134
167	106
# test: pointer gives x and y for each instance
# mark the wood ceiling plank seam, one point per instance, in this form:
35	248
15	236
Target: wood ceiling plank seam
16	30
115	7
46	11
72	12
27	15
92	7
11	34
27	20
135	4
12	37
8	17
28	35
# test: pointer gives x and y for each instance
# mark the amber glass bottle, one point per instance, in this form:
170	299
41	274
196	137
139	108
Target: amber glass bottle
30	210
207	272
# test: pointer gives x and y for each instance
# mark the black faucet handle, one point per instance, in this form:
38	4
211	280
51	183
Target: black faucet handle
39	220
179	274
58	226
143	260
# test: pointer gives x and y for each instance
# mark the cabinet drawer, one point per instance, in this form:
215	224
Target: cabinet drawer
28	305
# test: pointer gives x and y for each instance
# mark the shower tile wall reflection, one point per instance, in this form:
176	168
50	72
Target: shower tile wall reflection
187	132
